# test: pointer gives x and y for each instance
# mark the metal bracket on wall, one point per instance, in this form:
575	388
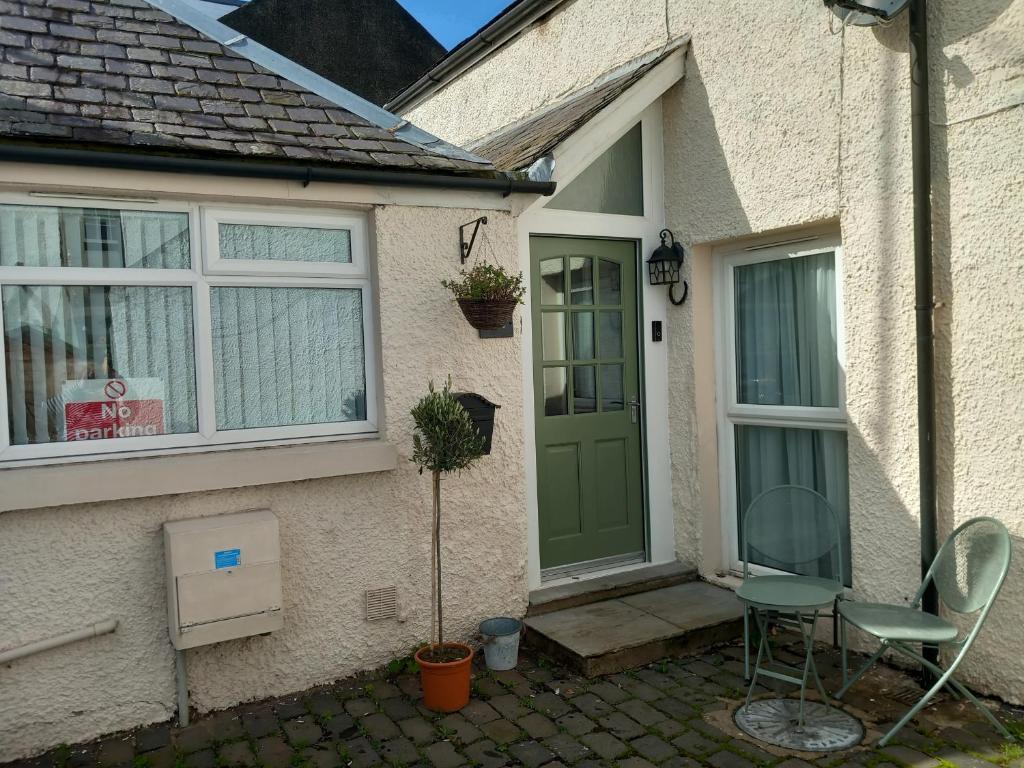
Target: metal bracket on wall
465	249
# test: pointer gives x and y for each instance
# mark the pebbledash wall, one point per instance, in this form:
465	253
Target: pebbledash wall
67	566
786	121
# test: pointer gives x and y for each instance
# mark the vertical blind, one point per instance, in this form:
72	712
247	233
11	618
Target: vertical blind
288	356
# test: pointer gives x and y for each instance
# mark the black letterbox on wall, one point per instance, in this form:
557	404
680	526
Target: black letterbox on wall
481	411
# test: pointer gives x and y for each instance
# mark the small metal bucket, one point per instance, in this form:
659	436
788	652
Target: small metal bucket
501	642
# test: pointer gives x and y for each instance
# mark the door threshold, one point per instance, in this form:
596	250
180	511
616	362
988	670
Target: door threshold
591	568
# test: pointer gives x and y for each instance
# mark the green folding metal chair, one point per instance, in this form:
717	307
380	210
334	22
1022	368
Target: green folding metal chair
793	529
968	573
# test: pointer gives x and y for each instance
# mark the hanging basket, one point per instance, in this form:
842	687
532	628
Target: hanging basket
488	314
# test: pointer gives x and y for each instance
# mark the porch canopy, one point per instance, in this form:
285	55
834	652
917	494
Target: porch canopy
626	90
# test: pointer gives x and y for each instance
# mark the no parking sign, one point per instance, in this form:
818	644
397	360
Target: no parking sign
103	409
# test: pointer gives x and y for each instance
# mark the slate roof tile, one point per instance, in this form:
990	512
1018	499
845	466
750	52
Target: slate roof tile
119	74
517	146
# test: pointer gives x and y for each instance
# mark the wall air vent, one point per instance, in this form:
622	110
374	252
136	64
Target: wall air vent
381	604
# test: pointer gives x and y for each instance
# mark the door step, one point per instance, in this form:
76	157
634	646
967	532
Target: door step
586	591
609	636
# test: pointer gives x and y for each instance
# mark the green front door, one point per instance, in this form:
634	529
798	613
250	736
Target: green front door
587	394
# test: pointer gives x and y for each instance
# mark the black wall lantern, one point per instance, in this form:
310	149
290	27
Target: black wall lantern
665	266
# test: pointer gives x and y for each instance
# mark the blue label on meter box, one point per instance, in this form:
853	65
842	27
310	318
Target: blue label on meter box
227	558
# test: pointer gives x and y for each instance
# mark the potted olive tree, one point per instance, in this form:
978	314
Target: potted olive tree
446	440
487	295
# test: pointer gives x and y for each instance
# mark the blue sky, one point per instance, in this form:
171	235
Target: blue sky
452	21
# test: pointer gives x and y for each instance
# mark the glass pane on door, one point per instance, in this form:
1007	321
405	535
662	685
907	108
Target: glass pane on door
583	336
581	271
552	281
553	330
584	389
610	282
556	395
611	334
612	391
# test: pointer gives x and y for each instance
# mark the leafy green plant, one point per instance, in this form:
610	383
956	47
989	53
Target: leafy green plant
445	440
402	665
488	282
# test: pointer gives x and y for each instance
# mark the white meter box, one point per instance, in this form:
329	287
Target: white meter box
223	577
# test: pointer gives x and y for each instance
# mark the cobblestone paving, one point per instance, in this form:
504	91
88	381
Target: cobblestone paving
672	714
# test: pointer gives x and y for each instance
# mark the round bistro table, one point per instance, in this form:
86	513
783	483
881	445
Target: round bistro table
812	726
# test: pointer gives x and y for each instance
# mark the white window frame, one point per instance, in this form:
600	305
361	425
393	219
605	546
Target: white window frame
200	279
732	413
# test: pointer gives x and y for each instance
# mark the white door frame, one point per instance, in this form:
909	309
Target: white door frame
726	258
578	152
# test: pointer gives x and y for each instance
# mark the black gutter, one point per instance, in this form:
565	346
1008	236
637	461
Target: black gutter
256	170
924	303
496	32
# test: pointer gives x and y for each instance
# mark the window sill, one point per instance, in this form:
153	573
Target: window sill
135	478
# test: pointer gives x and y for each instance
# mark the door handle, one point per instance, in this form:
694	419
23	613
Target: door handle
634	410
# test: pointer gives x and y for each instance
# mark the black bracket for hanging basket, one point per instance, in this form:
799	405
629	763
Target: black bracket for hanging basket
465	249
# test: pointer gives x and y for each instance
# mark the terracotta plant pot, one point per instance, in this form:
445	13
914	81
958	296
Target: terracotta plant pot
445	684
487	314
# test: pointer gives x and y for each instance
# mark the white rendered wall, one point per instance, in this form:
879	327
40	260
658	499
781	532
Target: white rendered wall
783	122
64	567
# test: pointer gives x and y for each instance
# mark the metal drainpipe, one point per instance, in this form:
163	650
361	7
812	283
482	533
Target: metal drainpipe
93	630
181	677
924	293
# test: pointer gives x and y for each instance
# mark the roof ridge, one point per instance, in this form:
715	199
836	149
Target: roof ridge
284	67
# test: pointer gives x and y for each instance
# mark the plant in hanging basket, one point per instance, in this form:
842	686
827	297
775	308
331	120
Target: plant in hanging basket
446	440
487	295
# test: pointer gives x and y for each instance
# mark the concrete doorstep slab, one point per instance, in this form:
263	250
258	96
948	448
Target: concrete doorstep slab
625	632
631	582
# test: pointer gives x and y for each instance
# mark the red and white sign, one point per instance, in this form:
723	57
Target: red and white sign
104	409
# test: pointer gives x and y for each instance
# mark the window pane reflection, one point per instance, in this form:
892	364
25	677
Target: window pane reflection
583	336
813	458
553	340
609	282
98	362
612	396
786	331
611	334
582	279
584	389
42	236
552	281
556	396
